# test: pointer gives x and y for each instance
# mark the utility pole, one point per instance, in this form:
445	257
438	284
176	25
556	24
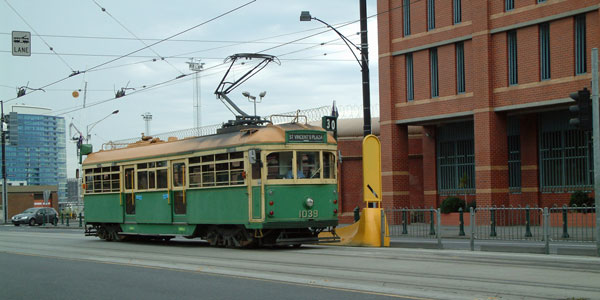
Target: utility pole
364	53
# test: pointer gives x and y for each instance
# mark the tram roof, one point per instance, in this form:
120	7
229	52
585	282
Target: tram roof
270	134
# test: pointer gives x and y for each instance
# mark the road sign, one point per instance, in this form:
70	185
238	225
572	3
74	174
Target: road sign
46	196
21	43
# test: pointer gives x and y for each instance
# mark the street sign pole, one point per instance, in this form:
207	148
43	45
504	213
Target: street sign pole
4	184
596	141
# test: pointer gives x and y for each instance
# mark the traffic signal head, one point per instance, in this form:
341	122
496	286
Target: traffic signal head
581	112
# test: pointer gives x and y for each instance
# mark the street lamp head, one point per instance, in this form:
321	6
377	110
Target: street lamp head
305	16
252	98
246	94
262	94
115	112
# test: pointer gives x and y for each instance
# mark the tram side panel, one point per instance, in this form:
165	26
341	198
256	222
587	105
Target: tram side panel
103	208
227	205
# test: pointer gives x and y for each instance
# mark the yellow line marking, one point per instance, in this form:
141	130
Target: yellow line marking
199	270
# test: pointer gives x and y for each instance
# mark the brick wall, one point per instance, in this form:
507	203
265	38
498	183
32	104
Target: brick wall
486	69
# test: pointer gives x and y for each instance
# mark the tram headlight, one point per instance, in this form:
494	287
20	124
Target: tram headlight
309	202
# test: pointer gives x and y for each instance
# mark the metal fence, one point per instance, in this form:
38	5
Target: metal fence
543	225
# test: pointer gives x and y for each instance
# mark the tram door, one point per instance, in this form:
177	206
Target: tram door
128	196
178	186
255	189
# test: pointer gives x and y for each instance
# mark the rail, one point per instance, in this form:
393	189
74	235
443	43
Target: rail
545	226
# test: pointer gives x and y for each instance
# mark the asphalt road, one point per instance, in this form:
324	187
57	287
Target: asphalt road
185	269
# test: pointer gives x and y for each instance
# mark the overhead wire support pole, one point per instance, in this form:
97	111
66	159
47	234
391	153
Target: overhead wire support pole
364	53
363	62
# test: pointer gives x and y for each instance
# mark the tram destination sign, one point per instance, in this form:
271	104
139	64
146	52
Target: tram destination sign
303	136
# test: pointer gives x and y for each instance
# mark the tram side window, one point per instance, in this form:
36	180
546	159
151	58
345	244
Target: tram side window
152	175
217	169
279	165
102	180
328	165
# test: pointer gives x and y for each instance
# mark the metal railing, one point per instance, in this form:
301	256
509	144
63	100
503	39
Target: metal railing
543	225
420	222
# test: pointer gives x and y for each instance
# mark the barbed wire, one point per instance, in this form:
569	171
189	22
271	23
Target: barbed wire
311	115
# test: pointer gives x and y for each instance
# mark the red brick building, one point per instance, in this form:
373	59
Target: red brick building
489	82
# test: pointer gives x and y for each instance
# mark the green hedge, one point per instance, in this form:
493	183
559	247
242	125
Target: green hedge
452	204
580	199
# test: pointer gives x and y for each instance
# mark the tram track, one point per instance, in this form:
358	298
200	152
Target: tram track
277	264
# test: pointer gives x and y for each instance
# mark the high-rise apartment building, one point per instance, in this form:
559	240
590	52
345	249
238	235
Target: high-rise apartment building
489	82
35	148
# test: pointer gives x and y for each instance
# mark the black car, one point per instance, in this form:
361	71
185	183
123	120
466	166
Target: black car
36	215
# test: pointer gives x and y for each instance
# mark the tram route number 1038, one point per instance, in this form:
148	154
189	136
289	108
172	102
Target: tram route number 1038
308	213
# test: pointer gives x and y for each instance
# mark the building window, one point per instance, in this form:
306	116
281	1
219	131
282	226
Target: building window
544	51
410	93
580	57
566	162
456	159
541	1
430	14
509	5
433	61
512	58
514	155
460	68
406	11
456	5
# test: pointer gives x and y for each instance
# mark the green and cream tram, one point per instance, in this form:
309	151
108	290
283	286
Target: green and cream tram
267	185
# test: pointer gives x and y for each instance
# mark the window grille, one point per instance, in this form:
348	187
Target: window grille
509	5
512	58
456	159
433	57
430	14
514	155
545	51
566	162
409	77
460	67
406	11
580	46
456	5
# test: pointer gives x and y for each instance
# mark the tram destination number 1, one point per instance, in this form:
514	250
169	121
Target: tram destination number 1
308	213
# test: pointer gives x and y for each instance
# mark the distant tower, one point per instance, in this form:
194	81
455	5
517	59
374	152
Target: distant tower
147	118
197	66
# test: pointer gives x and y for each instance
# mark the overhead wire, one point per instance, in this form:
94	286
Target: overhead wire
184	75
133	52
134	35
43	40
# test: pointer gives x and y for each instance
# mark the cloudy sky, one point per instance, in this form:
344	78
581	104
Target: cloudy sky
314	71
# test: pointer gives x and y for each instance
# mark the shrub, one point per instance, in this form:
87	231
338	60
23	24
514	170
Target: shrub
452	204
580	199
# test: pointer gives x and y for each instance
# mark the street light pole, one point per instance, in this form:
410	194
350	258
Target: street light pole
363	62
91	126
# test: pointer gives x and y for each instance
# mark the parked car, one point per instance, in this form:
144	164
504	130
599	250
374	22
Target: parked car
36	215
